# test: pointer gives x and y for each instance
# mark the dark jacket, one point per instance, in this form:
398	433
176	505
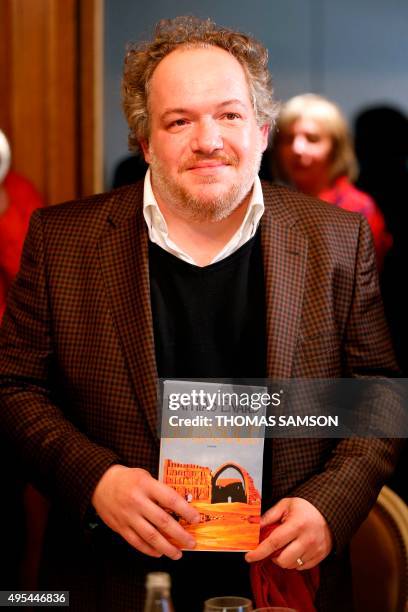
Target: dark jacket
78	373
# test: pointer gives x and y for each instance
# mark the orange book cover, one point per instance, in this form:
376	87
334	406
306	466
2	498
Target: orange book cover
222	478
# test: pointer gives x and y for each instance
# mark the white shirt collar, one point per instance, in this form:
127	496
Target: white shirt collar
158	231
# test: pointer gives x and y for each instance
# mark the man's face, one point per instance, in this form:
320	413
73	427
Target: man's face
205	146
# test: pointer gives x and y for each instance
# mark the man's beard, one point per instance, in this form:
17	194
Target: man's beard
201	208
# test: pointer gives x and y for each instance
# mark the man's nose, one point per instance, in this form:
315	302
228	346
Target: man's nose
207	137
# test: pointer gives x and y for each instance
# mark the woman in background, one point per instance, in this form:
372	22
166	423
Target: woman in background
313	152
18	199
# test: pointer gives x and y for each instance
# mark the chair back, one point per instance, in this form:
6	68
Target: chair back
379	557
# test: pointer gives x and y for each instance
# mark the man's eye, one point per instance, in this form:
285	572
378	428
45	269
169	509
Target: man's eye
178	123
231	116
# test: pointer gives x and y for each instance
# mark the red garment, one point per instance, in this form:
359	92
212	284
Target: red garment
23	199
343	194
274	586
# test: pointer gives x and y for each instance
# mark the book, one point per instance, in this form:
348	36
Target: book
220	475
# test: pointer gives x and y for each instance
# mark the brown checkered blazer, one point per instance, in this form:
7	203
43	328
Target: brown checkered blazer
78	373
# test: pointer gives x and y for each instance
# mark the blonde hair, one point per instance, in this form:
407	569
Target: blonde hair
191	32
343	161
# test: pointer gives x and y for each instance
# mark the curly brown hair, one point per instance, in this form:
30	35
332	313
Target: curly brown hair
141	60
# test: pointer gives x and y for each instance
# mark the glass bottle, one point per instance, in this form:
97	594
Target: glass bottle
158	598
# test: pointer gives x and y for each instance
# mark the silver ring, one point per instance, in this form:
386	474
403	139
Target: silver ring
299	562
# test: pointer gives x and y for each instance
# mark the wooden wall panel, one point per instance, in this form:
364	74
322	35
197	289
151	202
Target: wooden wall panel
62	103
51	85
5	69
28	106
91	96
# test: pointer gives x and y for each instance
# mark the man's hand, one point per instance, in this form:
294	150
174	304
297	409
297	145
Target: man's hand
303	534
130	501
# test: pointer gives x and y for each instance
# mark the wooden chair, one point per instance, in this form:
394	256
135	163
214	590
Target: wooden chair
379	557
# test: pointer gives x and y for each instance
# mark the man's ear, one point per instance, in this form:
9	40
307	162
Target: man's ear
146	150
264	129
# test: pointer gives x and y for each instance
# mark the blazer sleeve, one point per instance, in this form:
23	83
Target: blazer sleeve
357	468
60	460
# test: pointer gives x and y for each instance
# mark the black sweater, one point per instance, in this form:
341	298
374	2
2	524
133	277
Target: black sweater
209	322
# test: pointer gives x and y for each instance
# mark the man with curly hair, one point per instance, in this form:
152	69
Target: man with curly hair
199	271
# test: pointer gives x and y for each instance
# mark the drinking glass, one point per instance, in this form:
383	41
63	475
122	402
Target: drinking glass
228	604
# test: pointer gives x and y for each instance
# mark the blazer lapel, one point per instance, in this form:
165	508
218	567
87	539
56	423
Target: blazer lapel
285	256
123	252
